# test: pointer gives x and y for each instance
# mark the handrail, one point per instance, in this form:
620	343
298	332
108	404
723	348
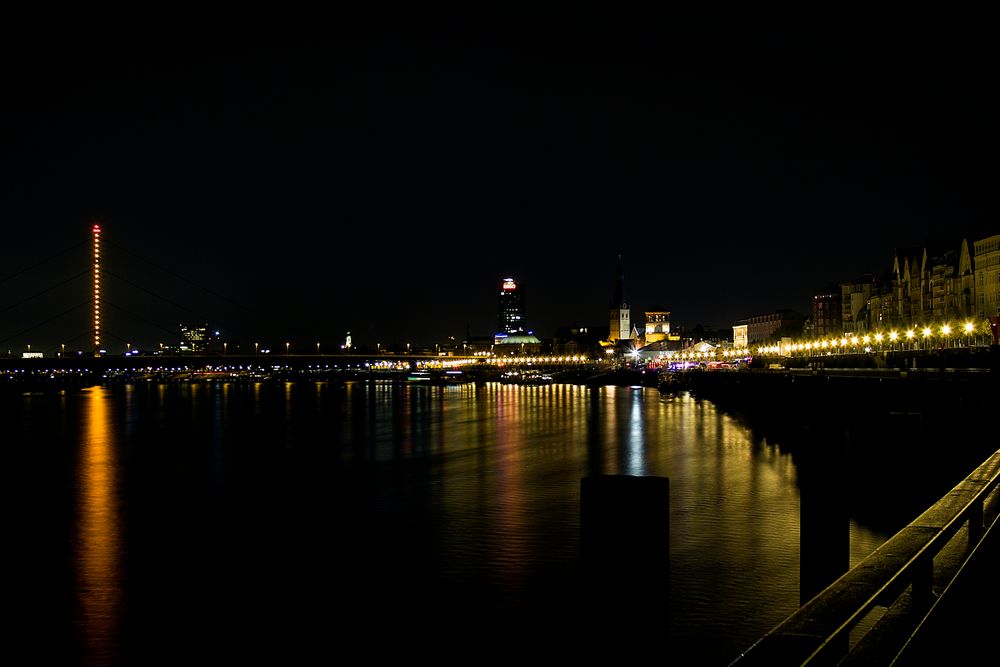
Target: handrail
900	572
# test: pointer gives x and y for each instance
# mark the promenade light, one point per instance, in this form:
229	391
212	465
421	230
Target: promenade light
893	335
867	339
927	332
969	327
945	329
910	333
843	342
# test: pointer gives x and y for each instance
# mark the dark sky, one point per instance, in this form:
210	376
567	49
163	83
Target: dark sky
299	187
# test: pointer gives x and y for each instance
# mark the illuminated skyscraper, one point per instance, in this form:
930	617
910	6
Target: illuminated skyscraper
621	320
510	311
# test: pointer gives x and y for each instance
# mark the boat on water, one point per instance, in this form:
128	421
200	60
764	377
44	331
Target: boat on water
529	377
437	377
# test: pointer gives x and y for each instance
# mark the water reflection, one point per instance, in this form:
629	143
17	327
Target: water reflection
383	501
99	539
636	460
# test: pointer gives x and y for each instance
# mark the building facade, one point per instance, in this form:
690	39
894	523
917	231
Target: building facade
826	315
194	338
657	325
854	296
740	335
769	327
944	281
986	264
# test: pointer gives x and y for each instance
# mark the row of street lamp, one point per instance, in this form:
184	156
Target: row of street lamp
912	336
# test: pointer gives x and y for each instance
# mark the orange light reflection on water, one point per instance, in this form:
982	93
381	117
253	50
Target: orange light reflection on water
98	545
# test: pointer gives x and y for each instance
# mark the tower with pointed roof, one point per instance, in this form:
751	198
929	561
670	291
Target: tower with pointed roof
620	322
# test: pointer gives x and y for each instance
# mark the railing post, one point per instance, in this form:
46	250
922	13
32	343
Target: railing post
922	591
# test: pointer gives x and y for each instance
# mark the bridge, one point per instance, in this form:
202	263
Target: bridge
86	370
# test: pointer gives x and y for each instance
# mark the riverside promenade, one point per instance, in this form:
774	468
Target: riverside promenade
927	596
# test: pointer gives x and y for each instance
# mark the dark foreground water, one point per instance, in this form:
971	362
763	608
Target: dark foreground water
320	523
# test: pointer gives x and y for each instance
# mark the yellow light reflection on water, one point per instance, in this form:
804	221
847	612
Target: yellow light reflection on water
98	544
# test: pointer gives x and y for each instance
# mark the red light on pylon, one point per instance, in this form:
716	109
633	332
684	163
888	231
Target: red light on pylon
97	228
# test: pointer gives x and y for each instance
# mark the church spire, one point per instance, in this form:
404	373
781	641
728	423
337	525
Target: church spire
620	320
618	301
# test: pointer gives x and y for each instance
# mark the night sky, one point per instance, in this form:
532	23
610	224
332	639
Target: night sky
301	186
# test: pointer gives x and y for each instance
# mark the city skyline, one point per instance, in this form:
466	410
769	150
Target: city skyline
948	306
738	162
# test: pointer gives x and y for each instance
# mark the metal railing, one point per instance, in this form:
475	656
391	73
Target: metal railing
868	615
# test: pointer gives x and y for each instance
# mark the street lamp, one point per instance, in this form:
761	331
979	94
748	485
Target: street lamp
287	345
225	347
255	346
317	349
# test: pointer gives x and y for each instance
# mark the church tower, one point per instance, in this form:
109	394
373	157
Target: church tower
620	320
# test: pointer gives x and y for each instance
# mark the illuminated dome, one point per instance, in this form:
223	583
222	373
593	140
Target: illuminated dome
519	339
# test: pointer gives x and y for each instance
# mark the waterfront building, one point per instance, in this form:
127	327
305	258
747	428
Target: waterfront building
854	296
906	285
826	318
938	268
986	263
740	335
584	340
510	308
934	283
513	345
965	284
882	303
771	327
194	338
657	325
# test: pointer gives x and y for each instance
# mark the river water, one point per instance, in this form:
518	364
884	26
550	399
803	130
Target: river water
315	522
